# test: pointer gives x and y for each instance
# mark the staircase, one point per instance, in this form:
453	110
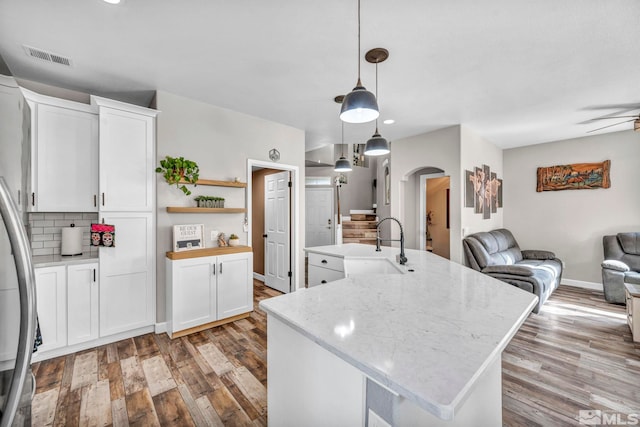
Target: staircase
361	229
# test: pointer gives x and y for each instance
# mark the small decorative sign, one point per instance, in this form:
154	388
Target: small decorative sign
103	235
188	237
577	176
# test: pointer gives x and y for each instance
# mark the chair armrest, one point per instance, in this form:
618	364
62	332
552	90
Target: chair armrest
616	265
538	254
516	270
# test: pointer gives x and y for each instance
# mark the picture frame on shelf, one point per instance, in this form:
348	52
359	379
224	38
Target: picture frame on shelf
188	237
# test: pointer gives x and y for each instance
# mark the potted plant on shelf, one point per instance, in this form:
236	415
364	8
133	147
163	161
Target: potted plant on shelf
178	171
234	240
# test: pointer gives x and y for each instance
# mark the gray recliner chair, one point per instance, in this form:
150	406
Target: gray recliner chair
621	264
497	254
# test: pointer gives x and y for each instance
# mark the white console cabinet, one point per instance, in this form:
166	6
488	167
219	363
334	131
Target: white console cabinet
208	287
324	269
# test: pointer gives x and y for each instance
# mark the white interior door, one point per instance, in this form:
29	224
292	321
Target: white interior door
319	214
277	226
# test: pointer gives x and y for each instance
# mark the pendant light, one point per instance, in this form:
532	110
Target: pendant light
360	105
377	145
342	164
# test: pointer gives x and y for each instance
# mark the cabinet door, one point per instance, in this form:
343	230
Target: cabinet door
127	172
127	293
82	303
51	301
193	292
64	160
235	284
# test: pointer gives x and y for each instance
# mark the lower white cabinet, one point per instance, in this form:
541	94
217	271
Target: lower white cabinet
51	302
127	297
82	303
324	269
207	289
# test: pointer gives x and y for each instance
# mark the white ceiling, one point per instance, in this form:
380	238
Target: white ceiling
518	72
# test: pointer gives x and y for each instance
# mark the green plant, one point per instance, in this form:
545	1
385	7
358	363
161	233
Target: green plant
233	236
178	170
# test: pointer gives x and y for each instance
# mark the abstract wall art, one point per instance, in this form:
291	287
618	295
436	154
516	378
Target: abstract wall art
483	191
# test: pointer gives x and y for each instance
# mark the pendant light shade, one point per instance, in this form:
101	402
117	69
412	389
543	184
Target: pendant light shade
359	105
376	146
342	164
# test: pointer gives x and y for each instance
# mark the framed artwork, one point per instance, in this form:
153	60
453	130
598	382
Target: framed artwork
468	189
483	191
576	176
188	237
387	183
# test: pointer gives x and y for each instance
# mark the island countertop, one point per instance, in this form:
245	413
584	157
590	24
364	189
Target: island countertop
427	335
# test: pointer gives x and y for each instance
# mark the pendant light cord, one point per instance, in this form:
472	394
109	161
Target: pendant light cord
342	145
359	83
377	97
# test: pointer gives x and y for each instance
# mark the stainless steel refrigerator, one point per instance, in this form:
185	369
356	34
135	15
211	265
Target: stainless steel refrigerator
17	283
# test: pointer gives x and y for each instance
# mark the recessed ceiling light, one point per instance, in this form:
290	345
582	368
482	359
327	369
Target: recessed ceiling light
389	122
112	1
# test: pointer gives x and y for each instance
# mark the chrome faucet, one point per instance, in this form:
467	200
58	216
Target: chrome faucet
403	259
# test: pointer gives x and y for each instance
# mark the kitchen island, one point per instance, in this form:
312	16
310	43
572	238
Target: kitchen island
420	346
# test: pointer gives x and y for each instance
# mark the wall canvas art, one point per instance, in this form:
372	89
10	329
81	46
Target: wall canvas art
483	191
577	176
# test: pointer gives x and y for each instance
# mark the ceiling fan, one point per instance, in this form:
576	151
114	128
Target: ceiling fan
635	119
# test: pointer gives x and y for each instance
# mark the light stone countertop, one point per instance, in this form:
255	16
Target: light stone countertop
427	335
54	260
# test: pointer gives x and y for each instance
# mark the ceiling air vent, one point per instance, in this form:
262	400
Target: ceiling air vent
46	56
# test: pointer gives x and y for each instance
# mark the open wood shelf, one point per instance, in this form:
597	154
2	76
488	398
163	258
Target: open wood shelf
218	183
191	209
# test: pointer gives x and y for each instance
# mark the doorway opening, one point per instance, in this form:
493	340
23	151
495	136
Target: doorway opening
273	199
435	214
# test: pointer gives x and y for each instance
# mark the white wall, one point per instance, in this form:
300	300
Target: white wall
220	141
475	152
357	193
440	149
572	222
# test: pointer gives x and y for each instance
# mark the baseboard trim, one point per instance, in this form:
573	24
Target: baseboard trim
258	276
161	327
582	284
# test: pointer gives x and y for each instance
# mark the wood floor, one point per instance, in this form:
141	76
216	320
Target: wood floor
577	354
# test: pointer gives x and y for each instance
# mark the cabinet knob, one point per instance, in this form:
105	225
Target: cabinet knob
323	281
220	268
94	275
102	199
214	269
95	200
33	199
324	261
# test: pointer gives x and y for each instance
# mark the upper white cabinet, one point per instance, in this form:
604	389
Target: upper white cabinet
127	172
64	158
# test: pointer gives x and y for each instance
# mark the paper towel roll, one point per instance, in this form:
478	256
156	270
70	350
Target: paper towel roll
71	240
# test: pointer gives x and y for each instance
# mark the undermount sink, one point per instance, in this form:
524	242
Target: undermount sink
354	267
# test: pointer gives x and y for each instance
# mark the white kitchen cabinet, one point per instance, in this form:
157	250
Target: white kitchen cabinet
51	302
324	269
127	274
205	289
235	284
82	303
64	158
193	294
127	157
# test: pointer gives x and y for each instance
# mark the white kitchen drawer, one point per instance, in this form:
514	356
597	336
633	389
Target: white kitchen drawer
324	261
320	275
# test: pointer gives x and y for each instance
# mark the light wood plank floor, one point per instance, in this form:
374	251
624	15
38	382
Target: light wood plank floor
576	354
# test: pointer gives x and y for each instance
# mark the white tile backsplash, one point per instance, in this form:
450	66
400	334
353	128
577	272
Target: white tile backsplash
46	234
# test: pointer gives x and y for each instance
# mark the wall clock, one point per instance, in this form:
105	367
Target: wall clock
274	155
